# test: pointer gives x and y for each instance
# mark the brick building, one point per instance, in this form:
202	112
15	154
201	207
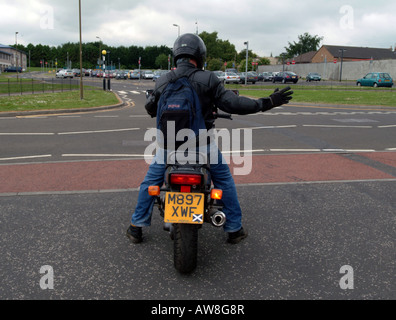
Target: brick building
329	53
11	57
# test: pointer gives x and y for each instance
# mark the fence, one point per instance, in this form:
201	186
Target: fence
33	86
351	70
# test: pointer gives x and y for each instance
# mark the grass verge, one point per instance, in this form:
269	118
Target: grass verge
337	97
56	101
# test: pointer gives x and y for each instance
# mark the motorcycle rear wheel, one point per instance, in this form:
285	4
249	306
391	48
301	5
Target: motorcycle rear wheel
185	247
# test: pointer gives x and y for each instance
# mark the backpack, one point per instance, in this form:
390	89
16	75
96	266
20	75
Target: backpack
179	103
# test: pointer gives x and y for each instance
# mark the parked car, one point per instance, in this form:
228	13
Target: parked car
159	73
218	73
267	76
64	73
121	75
134	75
375	79
229	77
13	69
147	74
313	76
285	76
251	77
76	72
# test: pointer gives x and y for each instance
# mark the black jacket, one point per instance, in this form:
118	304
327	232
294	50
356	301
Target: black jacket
211	93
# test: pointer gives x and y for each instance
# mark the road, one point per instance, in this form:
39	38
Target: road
320	195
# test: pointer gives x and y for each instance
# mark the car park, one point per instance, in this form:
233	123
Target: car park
313	76
375	79
285	76
64	73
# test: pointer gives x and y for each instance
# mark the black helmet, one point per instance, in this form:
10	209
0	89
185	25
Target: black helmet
190	45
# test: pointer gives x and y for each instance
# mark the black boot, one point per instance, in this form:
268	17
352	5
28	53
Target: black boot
135	234
236	237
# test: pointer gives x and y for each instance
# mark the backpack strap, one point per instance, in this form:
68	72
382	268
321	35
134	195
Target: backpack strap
173	77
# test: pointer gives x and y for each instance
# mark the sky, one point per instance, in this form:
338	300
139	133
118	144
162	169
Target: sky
268	25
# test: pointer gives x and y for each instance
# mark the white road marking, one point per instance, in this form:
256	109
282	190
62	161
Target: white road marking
27	157
98	131
26	134
89	155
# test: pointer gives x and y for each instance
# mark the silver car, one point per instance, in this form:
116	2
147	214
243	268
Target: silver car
64	73
229	77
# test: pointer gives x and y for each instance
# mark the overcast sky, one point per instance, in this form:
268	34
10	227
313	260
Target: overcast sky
268	25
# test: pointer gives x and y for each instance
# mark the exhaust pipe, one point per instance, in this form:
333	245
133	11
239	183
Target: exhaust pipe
218	219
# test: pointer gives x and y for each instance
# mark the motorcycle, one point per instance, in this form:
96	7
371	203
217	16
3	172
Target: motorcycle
187	201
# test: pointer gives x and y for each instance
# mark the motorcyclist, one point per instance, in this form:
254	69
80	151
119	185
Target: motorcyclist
189	52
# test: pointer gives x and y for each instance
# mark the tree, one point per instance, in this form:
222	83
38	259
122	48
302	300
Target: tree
306	43
162	61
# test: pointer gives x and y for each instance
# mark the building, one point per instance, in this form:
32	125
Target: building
11	57
303	58
329	53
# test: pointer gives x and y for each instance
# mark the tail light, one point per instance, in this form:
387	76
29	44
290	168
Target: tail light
216	194
154	191
186	179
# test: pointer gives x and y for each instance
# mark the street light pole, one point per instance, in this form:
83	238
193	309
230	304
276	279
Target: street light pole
16	54
342	58
178	28
81	61
247	57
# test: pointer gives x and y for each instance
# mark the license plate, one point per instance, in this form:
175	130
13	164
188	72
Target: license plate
184	208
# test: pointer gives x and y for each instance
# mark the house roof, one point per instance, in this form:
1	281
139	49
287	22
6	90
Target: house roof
2	46
303	58
361	52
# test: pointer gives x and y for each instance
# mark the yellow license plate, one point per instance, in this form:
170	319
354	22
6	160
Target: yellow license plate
184	208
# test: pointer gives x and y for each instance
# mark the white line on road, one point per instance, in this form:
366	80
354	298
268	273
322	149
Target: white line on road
336	126
27	157
390	126
89	155
97	131
26	134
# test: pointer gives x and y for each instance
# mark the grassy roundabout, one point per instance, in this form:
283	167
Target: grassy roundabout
57	100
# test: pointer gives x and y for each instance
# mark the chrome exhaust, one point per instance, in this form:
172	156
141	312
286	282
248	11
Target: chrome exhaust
218	219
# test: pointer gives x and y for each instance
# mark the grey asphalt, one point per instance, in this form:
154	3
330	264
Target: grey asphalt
300	235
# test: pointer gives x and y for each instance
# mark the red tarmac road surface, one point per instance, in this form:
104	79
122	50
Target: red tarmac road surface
128	174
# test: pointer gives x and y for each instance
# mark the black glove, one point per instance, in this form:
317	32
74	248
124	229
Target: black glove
281	97
278	98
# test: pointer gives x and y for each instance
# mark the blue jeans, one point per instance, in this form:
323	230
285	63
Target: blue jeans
221	178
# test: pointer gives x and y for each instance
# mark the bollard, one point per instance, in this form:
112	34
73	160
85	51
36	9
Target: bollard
108	85
104	84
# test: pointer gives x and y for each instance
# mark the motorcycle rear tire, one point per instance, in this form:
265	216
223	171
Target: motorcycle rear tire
185	247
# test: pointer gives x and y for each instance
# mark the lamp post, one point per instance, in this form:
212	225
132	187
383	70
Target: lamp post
247	57
178	28
104	69
16	54
100	48
342	58
81	61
